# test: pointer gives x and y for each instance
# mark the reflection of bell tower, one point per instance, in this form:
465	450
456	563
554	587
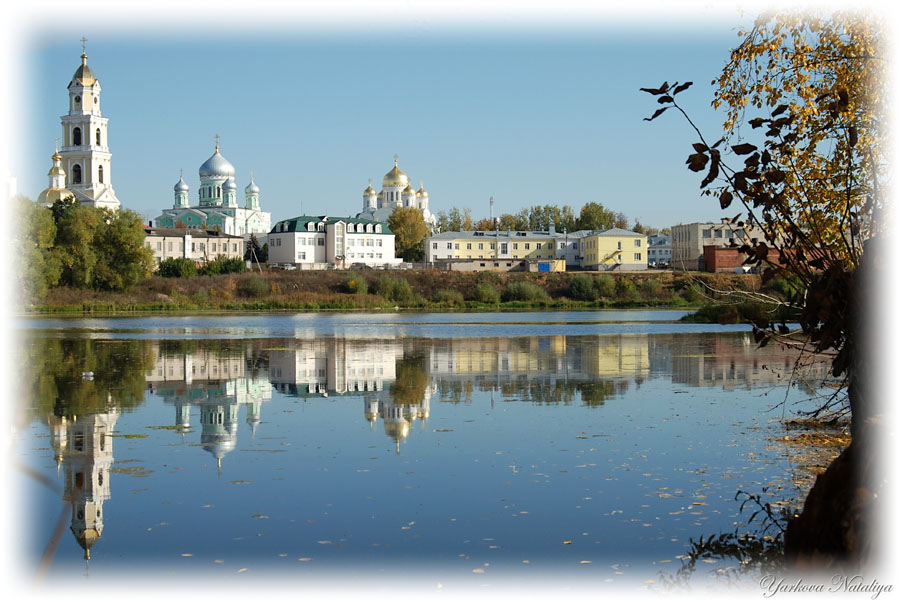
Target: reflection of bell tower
396	425
219	429
254	409
371	411
86	461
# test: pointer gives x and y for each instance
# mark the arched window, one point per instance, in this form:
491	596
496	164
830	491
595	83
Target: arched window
98	137
76	136
76	174
100	174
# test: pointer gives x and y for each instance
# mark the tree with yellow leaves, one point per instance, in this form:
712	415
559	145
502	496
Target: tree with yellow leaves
803	151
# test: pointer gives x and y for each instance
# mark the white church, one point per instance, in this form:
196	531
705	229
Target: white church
396	192
217	203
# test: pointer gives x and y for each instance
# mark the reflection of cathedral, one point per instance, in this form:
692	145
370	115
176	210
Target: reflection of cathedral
216	383
83	449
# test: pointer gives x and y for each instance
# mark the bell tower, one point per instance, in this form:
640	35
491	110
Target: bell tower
85	151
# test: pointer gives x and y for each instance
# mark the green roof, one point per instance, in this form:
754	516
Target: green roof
299	223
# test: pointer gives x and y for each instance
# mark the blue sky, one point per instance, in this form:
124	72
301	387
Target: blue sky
531	111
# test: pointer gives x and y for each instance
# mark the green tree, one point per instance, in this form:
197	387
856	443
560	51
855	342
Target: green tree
76	227
595	216
37	266
408	226
809	174
122	258
177	267
254	252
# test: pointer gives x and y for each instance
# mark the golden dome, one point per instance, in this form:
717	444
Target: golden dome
57	169
395	177
408	191
421	191
84	75
396	430
369	191
51	195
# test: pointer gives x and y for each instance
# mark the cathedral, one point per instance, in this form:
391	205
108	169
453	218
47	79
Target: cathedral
396	192
217	206
82	167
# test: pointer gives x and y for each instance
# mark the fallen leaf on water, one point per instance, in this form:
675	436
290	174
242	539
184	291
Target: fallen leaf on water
304	559
585	562
567	542
186	555
241	570
477	570
218	561
259	516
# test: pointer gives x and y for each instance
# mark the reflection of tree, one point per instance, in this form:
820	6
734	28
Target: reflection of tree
595	393
411	382
69	377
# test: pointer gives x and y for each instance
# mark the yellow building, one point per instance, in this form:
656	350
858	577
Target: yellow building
614	249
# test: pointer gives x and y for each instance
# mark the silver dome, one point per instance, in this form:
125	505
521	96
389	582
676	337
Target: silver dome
251	188
181	186
229	184
216	166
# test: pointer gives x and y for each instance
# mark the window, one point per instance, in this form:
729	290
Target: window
527	246
480	246
321	242
707	233
100	174
469	246
76	136
515	245
456	246
718	234
214	247
449	245
170	247
434	245
538	246
637	242
159	246
76	174
98	136
637	256
378	243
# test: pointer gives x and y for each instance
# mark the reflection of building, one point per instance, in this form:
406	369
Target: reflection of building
334	366
83	448
215	381
729	361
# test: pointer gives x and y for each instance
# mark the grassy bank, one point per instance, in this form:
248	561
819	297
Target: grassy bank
274	290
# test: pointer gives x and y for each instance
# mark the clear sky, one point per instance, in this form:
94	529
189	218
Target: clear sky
527	107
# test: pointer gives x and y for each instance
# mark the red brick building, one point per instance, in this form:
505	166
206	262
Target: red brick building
728	259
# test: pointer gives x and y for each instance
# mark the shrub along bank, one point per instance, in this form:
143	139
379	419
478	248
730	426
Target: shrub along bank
417	289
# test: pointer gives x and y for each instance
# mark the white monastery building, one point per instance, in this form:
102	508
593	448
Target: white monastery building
312	243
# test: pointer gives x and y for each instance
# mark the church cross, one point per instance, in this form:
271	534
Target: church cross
217	143
396	156
83	45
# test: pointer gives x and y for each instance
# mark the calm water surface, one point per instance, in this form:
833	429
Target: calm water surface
451	448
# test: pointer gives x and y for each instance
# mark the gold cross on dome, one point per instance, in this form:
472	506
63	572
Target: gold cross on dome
396	156
83	45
